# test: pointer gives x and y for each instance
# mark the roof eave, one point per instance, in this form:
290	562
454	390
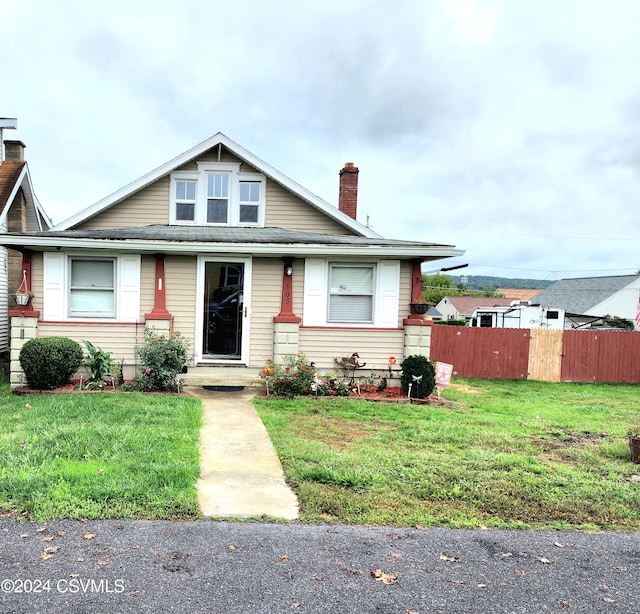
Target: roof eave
44	243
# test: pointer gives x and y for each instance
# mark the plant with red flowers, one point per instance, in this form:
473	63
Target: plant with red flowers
291	378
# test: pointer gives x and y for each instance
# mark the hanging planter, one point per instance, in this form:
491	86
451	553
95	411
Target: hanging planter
23	295
420	308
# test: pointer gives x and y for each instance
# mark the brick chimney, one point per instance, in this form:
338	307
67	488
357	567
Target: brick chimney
14	150
348	197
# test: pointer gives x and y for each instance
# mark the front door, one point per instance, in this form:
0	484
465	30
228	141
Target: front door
224	310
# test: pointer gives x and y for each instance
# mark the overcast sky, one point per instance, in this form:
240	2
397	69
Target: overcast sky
509	128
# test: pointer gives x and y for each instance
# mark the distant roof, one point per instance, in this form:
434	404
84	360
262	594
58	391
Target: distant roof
520	294
580	294
466	305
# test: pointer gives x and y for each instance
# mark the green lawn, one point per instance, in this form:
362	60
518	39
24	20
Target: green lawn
88	456
505	454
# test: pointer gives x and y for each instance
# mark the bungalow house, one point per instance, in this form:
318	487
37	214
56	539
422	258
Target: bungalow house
462	307
241	260
593	297
20	211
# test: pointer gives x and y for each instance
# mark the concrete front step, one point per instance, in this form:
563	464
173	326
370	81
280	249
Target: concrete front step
223	376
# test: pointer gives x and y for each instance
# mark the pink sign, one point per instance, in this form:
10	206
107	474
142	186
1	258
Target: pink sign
443	374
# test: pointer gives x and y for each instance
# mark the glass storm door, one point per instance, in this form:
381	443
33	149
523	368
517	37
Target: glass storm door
223	310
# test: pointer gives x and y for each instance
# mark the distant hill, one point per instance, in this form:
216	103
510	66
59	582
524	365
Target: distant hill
482	282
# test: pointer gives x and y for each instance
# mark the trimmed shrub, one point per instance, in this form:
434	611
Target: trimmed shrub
49	362
163	360
420	373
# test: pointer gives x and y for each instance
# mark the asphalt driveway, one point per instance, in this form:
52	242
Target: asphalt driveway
208	566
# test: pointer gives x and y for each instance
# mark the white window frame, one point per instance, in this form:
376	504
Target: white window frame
94	315
185	201
57	287
331	291
236	177
386	293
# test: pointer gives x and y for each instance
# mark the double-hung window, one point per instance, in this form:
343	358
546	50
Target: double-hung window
217	198
351	291
185	195
249	201
92	289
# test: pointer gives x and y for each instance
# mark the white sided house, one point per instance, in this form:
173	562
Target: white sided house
241	260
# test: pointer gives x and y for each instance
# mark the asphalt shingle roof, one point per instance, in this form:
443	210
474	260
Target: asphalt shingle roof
218	234
581	294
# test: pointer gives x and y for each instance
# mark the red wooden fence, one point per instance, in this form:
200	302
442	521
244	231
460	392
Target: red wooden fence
496	353
587	355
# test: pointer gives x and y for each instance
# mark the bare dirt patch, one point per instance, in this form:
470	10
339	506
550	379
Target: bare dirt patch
338	431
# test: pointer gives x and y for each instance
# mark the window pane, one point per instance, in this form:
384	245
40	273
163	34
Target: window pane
98	302
248	214
218	185
180	190
185	212
351	280
92	273
216	211
350	308
249	192
190	190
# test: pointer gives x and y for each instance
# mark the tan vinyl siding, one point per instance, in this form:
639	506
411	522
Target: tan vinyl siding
322	345
182	302
147	284
36	280
284	210
211	156
147	206
122	340
265	304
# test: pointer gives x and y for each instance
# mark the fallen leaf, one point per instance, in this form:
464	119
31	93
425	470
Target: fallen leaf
564	604
232	548
520	572
44	556
444	557
543	559
620	568
49	538
80	559
458	582
61	533
74	575
103	563
51	549
482	586
386	578
608	600
41	530
135	547
24	535
504	555
319	578
394	556
90	535
295	604
284	558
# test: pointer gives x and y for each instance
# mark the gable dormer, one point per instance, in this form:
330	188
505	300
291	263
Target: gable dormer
217	194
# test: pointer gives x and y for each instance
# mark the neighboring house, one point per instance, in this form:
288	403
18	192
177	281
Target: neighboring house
593	297
20	211
237	257
462	307
519	294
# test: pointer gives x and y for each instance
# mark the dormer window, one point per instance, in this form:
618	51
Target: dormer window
217	194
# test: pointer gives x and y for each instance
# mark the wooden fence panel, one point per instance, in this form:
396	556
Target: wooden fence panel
545	355
601	356
495	353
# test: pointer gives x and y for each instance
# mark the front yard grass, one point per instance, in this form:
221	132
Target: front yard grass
89	456
511	454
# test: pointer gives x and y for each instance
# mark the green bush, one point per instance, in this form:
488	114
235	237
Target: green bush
98	362
49	362
163	360
420	373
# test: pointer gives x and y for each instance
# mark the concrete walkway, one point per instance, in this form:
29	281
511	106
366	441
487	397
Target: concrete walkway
240	473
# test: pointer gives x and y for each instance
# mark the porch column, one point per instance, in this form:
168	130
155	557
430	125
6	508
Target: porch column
159	313
286	325
417	330
23	326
